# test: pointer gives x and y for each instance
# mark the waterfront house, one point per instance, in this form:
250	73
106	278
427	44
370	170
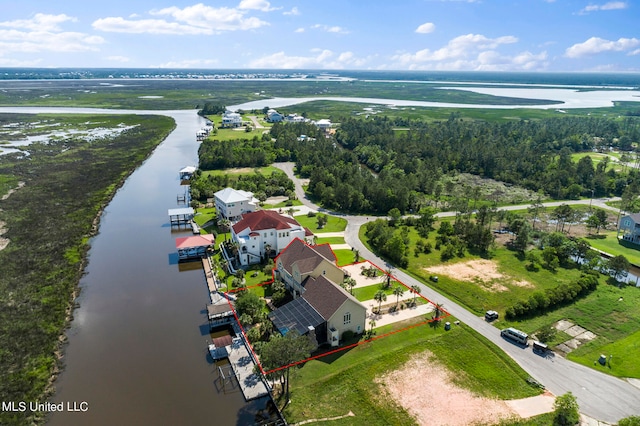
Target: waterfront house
320	306
231	119
294	118
232	203
274	116
629	227
265	233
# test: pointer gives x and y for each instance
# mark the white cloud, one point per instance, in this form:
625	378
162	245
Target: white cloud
458	48
191	20
426	28
330	29
472	52
299	30
596	45
294	11
612	5
261	5
319	58
43	33
40	22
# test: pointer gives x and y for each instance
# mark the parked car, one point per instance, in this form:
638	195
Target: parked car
491	316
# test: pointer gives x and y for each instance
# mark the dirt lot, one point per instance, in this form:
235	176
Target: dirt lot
425	390
482	272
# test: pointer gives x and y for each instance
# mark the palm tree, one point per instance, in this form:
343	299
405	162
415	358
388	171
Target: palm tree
398	292
387	279
415	289
437	312
380	297
356	256
349	283
372	324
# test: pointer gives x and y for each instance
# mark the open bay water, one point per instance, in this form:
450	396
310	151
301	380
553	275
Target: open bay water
137	351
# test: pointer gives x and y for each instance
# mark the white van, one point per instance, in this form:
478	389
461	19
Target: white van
515	335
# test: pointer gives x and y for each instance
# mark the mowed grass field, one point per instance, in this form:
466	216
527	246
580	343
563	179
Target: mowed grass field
334	224
612	313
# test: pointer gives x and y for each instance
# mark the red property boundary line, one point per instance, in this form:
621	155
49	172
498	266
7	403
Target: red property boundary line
340	349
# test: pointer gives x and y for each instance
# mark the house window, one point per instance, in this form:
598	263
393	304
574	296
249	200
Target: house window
347	318
265	235
271	233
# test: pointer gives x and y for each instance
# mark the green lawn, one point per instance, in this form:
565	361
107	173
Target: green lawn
344	257
624	360
238	133
346	381
330	240
367	293
266	171
204	215
614	320
283	205
608	242
597	157
334	224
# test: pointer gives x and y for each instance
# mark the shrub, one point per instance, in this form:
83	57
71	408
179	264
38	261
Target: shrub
347	335
551	298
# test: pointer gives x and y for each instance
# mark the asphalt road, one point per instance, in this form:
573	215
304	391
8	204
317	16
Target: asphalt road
599	396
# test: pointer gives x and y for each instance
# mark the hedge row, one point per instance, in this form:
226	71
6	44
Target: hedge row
542	301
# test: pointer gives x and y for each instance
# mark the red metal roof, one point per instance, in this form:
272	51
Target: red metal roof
195	241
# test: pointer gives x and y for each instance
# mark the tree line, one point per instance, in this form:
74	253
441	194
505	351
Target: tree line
367	166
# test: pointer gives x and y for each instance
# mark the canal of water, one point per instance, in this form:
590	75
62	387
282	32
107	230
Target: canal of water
137	350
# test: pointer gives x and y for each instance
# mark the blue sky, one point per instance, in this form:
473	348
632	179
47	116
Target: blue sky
489	35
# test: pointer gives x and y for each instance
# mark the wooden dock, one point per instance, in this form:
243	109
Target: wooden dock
208	273
251	384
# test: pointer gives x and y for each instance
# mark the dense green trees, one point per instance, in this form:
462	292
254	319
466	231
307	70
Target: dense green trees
403	169
280	353
255	152
369	167
203	186
542	301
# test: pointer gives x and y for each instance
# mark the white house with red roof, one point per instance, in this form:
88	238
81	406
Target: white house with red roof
264	229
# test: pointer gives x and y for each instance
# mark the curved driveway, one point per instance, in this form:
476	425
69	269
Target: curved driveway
600	396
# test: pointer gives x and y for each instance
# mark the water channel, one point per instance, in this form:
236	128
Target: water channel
137	343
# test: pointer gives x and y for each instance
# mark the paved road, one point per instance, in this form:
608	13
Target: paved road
600	396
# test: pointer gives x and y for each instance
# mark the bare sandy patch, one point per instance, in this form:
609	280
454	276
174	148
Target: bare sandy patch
425	389
4	242
481	271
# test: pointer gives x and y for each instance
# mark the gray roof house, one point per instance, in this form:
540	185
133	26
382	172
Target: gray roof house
323	306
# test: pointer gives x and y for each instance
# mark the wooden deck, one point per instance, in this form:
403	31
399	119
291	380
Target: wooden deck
251	384
208	273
